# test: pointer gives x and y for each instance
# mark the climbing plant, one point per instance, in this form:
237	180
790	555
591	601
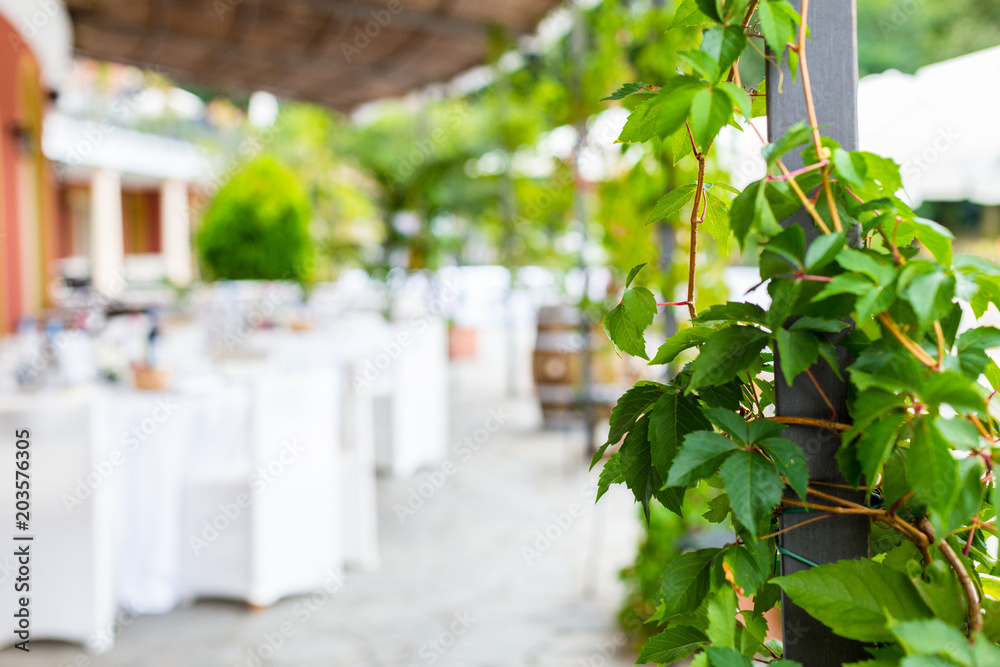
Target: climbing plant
877	282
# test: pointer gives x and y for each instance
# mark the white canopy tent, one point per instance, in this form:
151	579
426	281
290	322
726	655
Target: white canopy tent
939	125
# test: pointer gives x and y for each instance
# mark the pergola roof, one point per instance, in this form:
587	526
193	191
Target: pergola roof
340	53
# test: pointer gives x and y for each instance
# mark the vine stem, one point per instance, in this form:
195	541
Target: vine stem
756	397
914	535
833	509
699	192
806	421
972	596
799	172
806	202
829	405
907	342
797	525
693	250
813	118
939	333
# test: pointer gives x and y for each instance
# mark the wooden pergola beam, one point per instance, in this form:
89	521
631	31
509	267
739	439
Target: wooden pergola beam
325	68
401	18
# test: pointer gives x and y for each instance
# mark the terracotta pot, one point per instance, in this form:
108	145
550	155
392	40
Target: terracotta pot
146	378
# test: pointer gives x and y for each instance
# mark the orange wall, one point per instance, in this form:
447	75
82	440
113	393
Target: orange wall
27	193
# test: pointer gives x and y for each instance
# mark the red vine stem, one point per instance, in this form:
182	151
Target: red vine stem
813	119
971	595
699	192
799	172
693	251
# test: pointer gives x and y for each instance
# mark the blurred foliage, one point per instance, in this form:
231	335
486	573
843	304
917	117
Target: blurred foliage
665	536
491	176
345	213
908	34
257	227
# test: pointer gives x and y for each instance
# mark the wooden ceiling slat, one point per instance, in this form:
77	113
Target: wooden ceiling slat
315	50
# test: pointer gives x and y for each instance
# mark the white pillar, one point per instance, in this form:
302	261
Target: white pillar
107	245
175	231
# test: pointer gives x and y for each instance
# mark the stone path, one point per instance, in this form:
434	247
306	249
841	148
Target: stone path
508	564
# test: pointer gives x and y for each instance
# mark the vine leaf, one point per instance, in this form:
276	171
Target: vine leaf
790	461
636	467
727	352
686	582
675	104
679	342
932	235
721	613
824	250
777	24
930	292
610	474
699	457
797	135
759	207
876	442
959	432
740	98
628	89
848	168
931	469
671	203
626	324
711	110
730	423
633	273
641	123
854	598
724	45
972	346
753	485
710	9
797	350
933	637
672	645
716	221
747	573
632	405
955	389
734	311
722	656
625	335
702	63
672	418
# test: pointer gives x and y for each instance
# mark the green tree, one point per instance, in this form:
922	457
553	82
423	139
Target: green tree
257	227
908	34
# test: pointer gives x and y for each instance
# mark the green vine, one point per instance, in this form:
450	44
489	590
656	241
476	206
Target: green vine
923	436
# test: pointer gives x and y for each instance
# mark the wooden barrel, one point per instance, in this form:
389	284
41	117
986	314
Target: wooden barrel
557	367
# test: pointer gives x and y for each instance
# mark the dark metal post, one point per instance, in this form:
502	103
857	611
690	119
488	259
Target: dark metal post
833	66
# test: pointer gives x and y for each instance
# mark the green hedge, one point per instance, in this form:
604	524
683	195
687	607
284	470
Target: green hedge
257	227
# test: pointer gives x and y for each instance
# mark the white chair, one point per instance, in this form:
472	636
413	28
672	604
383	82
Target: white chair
154	431
359	492
417	407
270	524
72	594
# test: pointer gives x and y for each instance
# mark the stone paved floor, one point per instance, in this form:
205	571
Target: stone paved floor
455	587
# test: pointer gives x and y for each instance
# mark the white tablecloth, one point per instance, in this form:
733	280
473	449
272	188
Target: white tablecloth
71	517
